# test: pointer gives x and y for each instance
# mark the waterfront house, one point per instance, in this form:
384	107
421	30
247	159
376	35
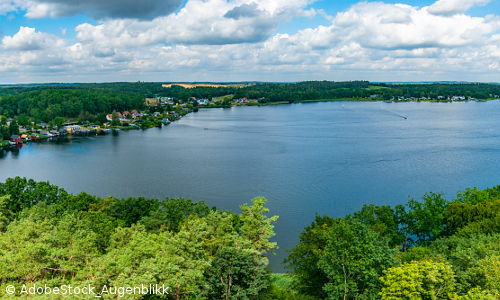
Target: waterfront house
16	139
45	133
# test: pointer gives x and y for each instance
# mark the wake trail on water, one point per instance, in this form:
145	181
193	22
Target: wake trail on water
392	112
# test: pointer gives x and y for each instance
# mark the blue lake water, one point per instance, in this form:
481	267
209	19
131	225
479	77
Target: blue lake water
327	158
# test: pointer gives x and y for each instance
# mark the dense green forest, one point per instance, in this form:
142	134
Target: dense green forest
47	104
428	249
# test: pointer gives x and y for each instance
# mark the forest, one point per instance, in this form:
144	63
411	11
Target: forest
431	248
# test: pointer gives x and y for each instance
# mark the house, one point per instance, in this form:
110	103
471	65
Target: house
125	113
192	98
202	101
15	139
95	126
156	114
45	133
109	117
135	112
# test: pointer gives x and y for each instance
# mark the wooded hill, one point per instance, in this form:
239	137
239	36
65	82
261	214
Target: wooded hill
428	249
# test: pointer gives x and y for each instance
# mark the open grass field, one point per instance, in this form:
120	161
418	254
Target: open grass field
151	100
372	87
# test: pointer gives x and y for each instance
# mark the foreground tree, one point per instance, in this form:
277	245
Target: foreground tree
354	259
233	275
417	280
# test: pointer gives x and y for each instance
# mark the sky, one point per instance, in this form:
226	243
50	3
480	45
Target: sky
248	40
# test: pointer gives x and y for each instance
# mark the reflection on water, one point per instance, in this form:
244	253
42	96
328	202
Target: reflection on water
304	158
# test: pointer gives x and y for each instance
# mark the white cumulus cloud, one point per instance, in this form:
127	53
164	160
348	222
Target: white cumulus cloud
452	7
28	39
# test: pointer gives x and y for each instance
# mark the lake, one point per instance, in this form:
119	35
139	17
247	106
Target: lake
326	158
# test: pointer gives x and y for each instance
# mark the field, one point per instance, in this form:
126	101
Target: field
193	85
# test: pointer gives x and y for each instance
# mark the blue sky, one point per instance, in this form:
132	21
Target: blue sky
247	40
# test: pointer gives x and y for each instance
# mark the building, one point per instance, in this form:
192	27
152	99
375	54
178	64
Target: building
15	139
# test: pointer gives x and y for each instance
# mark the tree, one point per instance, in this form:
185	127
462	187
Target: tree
115	121
171	212
81	117
258	228
58	121
13	127
23	120
427	218
425	280
354	259
304	258
5	214
384	220
233	275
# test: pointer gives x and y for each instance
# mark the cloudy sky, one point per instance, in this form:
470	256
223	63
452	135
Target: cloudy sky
248	40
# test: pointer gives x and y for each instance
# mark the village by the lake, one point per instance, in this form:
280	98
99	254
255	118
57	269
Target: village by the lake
173	101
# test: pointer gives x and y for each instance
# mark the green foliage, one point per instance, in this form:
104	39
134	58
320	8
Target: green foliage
283	287
172	211
233	275
131	210
354	259
475	196
386	221
5	214
425	280
478	294
426	219
304	258
468	218
418	254
47	104
26	193
257	228
48	236
468	256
